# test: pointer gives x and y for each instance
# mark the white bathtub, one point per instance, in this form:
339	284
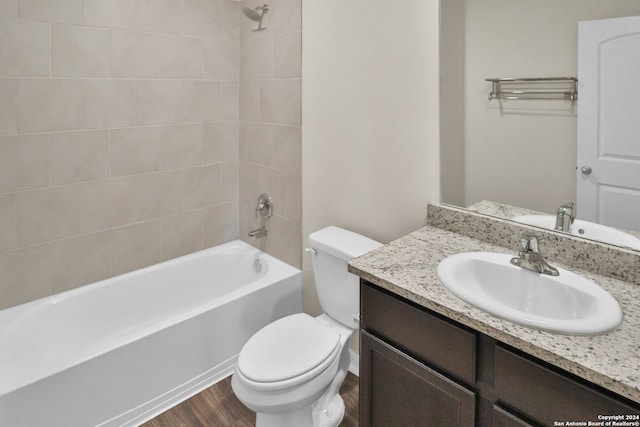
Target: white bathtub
121	351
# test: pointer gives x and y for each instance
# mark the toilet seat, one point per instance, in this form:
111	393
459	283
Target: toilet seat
287	352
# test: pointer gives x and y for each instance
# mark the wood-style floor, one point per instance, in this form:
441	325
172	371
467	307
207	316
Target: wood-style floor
217	406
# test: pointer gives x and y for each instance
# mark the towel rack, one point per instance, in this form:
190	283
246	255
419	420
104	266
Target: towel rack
534	88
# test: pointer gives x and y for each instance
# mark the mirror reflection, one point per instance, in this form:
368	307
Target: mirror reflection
523	157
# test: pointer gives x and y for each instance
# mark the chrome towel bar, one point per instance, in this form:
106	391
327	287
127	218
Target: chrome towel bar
534	88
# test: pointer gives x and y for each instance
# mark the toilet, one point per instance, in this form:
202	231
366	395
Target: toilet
290	371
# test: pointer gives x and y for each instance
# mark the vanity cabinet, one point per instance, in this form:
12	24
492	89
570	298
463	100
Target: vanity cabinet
418	368
401	391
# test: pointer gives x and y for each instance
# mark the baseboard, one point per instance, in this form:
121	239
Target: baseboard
354	364
172	398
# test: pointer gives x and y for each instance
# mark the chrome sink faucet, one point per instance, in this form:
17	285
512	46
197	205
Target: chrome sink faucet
565	217
529	257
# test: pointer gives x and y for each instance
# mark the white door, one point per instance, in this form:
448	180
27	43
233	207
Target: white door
608	188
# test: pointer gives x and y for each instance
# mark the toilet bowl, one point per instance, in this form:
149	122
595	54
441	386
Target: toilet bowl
290	371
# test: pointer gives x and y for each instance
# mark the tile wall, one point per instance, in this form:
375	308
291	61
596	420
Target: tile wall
119	136
270	126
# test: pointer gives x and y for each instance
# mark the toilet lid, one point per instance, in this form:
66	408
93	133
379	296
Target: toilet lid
287	348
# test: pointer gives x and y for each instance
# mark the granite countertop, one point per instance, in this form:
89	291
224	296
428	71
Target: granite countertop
407	267
502	210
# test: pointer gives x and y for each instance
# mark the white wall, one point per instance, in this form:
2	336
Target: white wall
370	150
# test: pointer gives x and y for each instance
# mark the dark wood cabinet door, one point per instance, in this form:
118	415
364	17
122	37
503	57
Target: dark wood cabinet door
396	390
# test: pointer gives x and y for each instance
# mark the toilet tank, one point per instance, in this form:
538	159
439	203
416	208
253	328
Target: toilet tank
338	290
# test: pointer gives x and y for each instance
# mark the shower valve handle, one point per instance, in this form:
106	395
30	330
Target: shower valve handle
264	209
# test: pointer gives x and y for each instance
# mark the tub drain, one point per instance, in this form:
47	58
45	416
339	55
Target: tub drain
257	265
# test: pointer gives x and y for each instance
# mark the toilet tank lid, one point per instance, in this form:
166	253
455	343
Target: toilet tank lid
342	243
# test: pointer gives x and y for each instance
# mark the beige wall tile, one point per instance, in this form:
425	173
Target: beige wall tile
229	104
8	106
247	221
158	102
292	203
158	194
136	55
287	148
289	17
220	223
135	246
221	142
201	101
230	181
243	150
203	18
248	184
162	16
202	187
49	214
259	142
287	55
108	103
256	58
49	105
182	234
221	60
24	162
58	11
8	225
285	240
182	146
109	203
9	9
110	13
280	101
25	48
25	275
135	151
230	20
80	51
79	156
250	100
80	261
182	58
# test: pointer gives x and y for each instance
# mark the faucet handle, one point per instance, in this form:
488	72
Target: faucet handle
534	245
529	243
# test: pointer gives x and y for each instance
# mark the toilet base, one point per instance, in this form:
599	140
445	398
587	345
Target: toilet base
305	417
301	417
330	416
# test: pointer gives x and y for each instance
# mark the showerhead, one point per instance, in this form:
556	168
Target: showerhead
252	14
256	14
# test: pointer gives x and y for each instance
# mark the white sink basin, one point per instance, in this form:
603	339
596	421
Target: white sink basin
568	303
586	229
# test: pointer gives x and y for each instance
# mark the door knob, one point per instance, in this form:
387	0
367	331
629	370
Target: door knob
585	169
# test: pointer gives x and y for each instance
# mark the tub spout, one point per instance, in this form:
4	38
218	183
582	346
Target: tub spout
258	232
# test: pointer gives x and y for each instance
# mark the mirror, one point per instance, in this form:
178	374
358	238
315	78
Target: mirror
520	154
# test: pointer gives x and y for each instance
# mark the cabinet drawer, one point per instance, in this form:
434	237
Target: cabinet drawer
401	391
433	340
547	396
